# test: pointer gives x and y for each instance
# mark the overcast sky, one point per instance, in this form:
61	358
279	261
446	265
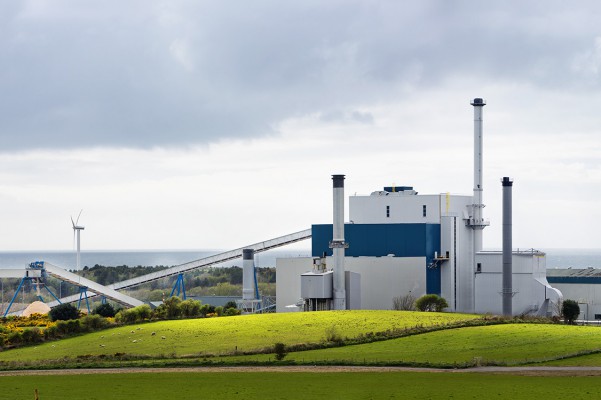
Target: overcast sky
212	125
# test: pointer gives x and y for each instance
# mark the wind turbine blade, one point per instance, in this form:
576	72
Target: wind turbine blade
72	223
77	220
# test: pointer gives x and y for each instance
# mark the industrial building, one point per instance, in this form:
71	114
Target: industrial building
582	285
398	242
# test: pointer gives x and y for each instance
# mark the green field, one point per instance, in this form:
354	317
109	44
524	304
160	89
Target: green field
298	385
226	335
507	344
188	342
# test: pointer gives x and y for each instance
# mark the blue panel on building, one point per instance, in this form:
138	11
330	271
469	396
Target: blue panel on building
574	279
379	240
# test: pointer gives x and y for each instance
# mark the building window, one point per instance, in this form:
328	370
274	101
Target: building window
424	210
478	268
387	211
597	316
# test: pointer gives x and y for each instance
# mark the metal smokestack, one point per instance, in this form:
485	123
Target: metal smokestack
337	244
478	223
507	292
248	274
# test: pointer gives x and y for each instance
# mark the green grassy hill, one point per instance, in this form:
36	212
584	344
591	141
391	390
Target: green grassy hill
194	341
227	335
506	344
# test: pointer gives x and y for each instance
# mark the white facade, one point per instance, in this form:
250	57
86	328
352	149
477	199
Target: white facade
383	207
382	279
532	294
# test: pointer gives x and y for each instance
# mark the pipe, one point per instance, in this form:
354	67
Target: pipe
248	274
507	290
337	244
478	223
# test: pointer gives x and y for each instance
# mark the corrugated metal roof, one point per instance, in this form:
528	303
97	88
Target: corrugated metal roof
574	272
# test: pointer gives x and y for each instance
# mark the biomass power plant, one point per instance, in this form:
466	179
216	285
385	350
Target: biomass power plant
401	243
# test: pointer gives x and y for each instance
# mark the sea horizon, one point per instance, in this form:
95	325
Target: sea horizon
556	258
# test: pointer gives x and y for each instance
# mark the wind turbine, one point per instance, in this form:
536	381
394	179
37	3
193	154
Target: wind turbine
76	231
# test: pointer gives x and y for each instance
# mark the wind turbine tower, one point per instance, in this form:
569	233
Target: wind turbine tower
76	231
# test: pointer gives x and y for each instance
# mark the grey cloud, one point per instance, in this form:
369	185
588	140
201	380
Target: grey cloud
176	73
346	117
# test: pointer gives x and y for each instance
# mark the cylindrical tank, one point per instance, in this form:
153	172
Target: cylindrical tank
248	274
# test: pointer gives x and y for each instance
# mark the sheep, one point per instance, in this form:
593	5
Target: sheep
163	337
153	333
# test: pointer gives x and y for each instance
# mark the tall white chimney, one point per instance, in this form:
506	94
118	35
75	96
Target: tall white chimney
478	223
337	244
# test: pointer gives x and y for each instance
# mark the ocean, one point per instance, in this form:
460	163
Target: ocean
556	258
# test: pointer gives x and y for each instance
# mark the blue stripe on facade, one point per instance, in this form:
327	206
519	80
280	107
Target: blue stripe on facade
379	240
574	279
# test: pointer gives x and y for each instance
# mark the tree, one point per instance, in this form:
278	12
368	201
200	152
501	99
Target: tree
570	311
63	312
431	302
170	309
280	351
230	304
105	310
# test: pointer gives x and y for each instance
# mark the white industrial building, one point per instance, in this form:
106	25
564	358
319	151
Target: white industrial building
398	242
582	285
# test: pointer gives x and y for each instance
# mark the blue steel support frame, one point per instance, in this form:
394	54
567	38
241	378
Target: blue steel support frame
83	292
179	286
257	290
16	294
52	294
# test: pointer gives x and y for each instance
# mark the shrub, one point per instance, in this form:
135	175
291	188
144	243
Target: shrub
190	308
68	327
332	335
51	332
170	309
33	335
126	316
230	304
105	310
93	322
230	312
143	312
63	312
219	311
204	310
15	338
431	302
570	311
404	303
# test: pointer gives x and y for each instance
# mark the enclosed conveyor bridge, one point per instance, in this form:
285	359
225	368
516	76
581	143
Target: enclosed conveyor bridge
109	293
179	269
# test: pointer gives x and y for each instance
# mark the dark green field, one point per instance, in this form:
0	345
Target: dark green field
298	385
